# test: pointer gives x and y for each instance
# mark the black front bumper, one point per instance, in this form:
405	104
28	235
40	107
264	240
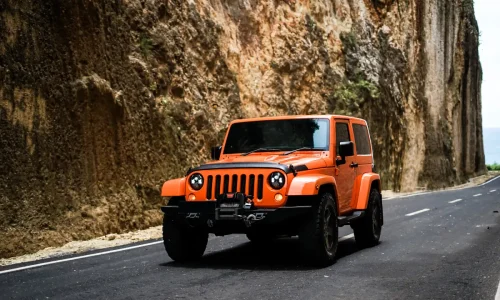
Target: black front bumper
210	212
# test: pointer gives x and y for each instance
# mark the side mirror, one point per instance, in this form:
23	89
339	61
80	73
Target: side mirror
345	149
216	151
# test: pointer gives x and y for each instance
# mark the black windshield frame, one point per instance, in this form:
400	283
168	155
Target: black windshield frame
280	134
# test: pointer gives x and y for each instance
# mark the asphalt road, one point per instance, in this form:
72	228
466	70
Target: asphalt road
450	251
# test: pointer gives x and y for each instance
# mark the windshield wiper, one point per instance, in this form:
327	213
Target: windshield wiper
299	149
260	149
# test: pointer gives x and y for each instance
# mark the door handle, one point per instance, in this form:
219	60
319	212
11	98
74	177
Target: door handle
353	165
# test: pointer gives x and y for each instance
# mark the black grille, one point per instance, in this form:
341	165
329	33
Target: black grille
229	184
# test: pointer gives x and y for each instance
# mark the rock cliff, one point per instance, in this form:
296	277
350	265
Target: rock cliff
102	101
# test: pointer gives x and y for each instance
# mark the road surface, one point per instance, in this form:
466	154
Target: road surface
443	245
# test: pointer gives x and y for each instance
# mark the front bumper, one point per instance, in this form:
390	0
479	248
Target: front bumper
209	211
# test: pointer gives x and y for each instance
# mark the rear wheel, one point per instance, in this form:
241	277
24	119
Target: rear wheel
183	243
367	230
319	236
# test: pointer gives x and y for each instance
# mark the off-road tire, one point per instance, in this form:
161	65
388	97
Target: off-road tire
183	243
367	230
319	236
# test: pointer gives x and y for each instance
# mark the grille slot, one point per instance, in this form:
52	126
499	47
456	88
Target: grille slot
243	183
217	186
226	183
209	186
260	187
251	185
234	183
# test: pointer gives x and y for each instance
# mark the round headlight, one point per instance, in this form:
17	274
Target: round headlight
196	181
276	180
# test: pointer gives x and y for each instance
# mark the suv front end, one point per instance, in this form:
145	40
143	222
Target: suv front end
233	197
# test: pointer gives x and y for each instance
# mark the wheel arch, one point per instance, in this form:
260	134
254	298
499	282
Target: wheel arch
174	188
313	185
367	182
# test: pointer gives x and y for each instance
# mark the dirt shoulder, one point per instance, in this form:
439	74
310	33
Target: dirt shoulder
108	241
114	240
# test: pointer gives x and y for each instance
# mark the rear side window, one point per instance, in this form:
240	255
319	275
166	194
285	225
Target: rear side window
361	138
342	134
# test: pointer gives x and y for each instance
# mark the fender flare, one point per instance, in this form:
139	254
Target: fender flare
309	185
364	188
174	187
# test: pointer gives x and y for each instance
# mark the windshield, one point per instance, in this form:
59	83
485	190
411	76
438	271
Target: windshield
278	135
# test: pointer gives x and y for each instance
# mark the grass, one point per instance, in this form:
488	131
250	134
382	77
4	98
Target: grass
494	167
146	45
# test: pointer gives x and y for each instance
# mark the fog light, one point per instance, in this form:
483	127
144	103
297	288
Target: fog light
278	197
191	197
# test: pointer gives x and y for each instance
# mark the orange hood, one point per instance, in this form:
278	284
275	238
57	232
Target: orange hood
311	161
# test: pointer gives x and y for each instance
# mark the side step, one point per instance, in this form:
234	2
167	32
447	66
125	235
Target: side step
346	220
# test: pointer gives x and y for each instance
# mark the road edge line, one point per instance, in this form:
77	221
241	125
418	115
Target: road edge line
443	190
346	237
497	297
491	180
77	257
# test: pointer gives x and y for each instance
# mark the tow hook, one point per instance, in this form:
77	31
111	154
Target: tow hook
248	220
249	203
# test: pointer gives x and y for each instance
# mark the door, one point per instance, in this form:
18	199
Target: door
345	173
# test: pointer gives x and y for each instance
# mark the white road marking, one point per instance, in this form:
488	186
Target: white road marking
417	194
491	180
497	297
492	191
477	195
417	212
349	236
455	201
78	257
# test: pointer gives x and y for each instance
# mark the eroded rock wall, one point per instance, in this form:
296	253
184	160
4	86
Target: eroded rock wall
102	101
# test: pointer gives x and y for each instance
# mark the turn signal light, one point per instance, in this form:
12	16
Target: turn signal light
278	197
191	197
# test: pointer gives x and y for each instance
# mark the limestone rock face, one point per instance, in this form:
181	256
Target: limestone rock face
102	101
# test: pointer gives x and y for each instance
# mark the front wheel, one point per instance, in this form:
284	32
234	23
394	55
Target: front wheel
367	230
183	243
319	236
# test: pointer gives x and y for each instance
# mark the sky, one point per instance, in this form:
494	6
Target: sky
488	17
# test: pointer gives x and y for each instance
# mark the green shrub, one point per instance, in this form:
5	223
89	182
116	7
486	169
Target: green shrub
494	167
350	95
145	44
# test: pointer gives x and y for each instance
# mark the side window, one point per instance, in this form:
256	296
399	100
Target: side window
361	138
342	133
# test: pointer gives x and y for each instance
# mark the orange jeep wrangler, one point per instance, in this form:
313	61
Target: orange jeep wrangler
279	176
